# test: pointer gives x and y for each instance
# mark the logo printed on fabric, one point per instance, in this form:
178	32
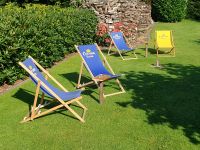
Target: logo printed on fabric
88	53
163	36
32	70
117	37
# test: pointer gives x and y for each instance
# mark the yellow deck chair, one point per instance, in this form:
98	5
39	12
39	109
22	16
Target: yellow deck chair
163	41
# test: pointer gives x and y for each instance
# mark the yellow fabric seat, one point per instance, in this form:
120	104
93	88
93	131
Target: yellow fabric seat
164	40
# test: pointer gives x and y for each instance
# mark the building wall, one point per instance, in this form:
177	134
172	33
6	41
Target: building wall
135	15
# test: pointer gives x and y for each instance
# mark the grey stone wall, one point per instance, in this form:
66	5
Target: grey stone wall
134	14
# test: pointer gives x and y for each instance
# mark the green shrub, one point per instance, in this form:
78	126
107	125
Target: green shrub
46	33
169	10
194	9
64	3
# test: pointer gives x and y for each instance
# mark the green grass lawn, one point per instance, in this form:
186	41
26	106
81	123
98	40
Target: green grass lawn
160	110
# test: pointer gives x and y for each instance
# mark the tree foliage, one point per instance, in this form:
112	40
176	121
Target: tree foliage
169	10
46	33
63	3
194	9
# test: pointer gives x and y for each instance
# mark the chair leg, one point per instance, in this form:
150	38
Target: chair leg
120	92
83	107
42	99
123	58
80	74
121	55
135	55
110	47
174	52
35	101
120	85
157	52
37	109
74	113
101	95
146	50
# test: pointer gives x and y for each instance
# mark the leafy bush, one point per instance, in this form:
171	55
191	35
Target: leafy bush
169	10
44	32
102	36
64	3
194	9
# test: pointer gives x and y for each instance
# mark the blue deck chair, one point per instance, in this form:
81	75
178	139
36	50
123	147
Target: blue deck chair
93	63
64	97
119	41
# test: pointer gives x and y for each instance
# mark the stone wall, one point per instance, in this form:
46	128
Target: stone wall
134	14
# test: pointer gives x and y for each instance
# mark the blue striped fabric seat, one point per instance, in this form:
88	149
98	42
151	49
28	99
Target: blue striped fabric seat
93	62
119	41
62	94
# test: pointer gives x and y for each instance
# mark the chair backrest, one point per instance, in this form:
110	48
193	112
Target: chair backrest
92	61
164	39
31	66
119	41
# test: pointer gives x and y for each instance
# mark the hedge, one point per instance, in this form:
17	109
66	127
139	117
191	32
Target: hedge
194	9
46	33
63	3
169	10
48	2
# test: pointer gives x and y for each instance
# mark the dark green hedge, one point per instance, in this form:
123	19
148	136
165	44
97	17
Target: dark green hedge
64	3
194	9
169	10
46	33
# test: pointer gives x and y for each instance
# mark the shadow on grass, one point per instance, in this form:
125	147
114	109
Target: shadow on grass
150	50
89	90
197	41
129	53
25	96
172	99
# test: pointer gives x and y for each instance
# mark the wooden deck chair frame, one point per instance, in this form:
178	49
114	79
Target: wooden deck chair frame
83	63
35	112
120	53
171	52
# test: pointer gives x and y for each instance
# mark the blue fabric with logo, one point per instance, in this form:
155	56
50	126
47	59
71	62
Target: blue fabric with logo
91	56
62	94
119	41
